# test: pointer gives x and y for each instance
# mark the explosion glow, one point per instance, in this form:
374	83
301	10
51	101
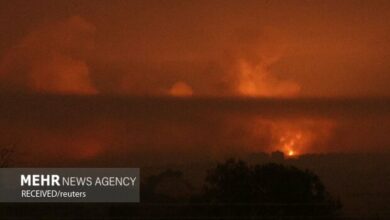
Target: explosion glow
291	153
127	57
294	137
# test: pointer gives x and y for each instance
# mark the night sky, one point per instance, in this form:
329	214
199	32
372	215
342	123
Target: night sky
80	80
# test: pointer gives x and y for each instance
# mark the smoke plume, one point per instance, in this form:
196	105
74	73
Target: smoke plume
51	59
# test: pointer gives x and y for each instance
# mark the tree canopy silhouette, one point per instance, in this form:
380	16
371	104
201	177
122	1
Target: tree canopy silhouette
235	182
167	186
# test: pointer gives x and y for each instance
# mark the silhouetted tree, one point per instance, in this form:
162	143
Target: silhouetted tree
286	189
277	156
167	186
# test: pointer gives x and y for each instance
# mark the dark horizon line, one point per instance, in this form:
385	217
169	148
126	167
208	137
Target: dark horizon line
167	105
192	97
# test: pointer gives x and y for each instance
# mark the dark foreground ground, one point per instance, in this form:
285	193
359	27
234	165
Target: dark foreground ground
360	181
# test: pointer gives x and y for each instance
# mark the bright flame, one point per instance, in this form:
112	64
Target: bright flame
291	153
292	140
295	137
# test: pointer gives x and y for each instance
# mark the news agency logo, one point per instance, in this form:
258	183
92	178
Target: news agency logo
55	180
39	180
69	185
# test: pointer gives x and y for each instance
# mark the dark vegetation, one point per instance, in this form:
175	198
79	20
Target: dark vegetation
232	189
6	156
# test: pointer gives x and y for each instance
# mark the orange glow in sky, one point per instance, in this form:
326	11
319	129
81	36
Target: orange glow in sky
291	153
296	136
256	76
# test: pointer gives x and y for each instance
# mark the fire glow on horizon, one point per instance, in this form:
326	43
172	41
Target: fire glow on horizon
236	50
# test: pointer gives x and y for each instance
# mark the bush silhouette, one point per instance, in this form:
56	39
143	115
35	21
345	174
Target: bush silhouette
167	186
275	188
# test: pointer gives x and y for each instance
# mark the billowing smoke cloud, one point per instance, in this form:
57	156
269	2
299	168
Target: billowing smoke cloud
256	48
53	129
51	59
297	136
192	49
253	54
55	58
257	81
237	66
